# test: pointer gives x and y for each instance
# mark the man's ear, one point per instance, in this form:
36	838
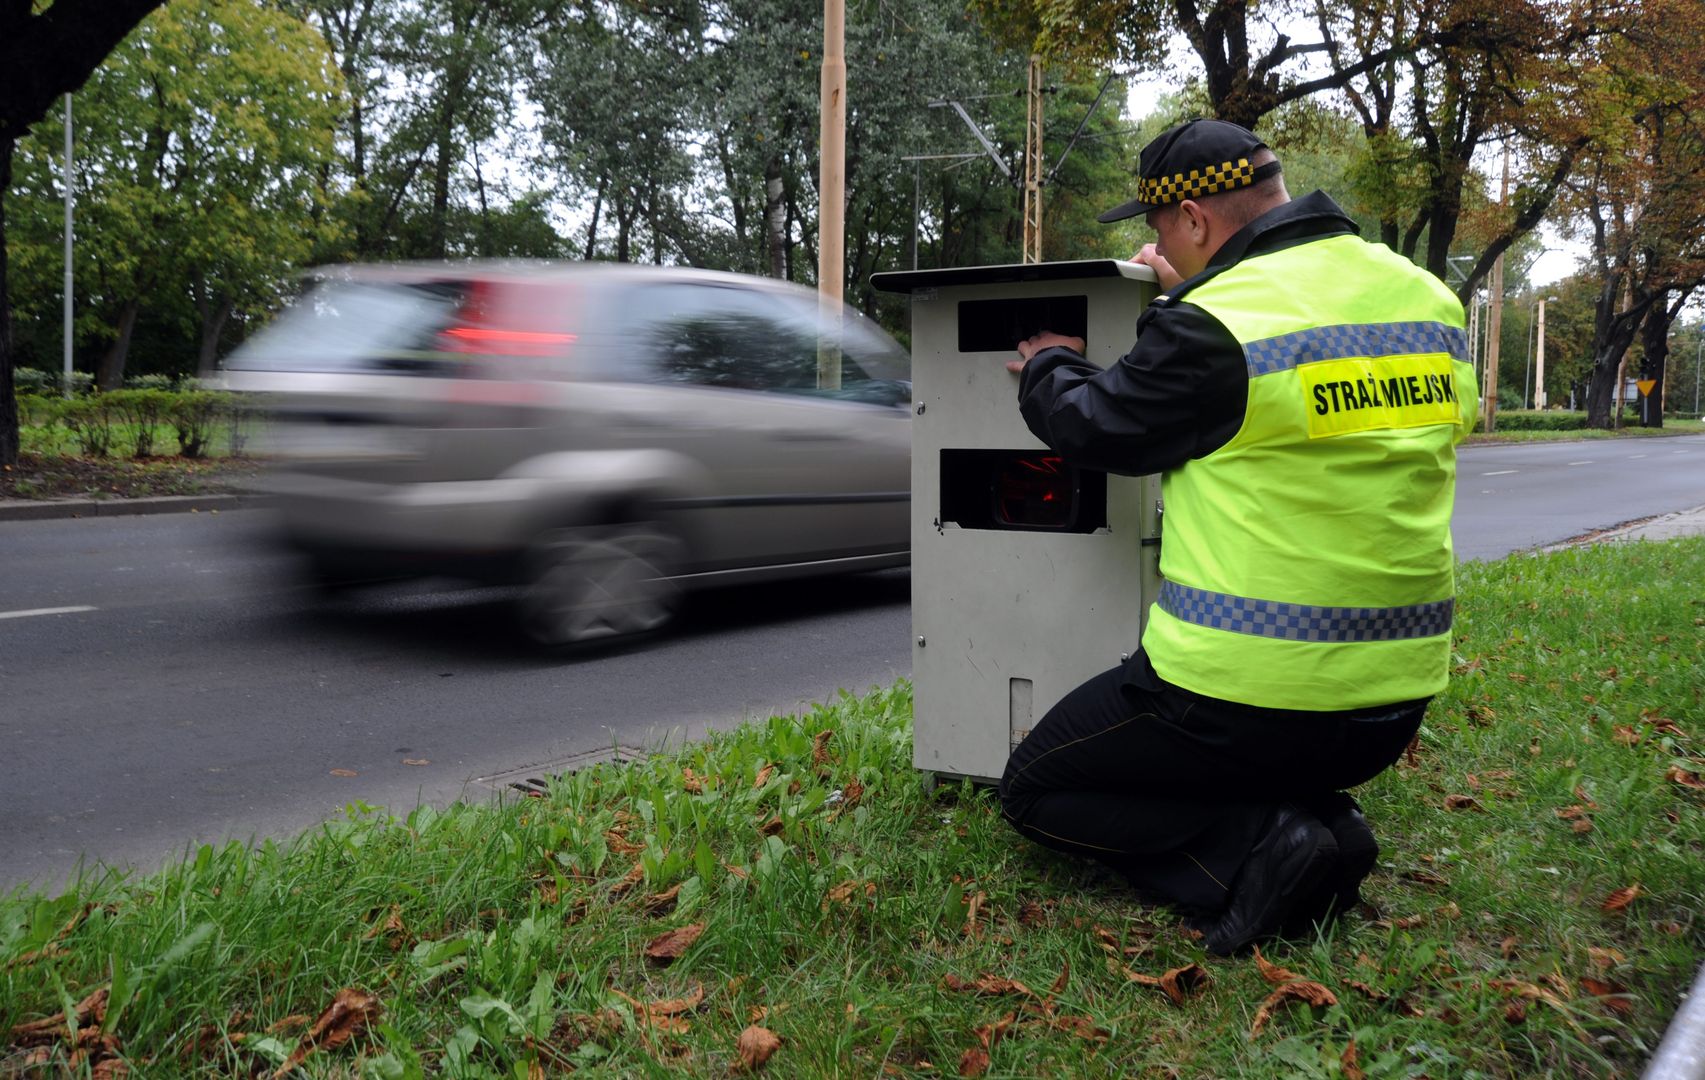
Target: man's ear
1196	222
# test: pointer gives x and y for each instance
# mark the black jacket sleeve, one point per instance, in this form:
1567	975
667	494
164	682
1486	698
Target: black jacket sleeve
1180	393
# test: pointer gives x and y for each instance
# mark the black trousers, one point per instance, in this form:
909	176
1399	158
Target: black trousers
1172	789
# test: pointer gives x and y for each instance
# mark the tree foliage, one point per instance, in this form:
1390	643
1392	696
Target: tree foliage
45	50
198	174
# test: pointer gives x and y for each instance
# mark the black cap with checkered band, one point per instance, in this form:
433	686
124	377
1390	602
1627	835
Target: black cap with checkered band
1193	159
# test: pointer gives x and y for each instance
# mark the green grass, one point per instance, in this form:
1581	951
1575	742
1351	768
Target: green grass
1672	426
500	937
56	440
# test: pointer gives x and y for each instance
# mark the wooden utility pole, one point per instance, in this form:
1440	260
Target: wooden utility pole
1495	316
831	194
1539	362
1033	166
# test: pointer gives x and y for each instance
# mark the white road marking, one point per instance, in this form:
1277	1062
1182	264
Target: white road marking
1588	462
1635	457
43	611
1500	472
1678	451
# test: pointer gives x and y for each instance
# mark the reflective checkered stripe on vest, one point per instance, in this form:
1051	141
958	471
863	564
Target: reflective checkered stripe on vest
1308	561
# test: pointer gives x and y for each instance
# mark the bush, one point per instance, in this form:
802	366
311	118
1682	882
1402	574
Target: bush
195	415
150	382
37	410
1547	420
31	381
144	410
90	420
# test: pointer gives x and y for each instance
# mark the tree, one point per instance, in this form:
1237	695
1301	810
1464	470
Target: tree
202	140
44	52
1643	195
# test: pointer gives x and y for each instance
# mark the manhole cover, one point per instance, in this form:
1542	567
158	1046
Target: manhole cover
535	780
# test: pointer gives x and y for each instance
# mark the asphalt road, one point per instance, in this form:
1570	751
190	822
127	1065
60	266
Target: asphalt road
189	692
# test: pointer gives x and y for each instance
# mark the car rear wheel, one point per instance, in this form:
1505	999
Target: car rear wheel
592	583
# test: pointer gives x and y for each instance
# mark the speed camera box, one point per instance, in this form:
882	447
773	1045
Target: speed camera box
1028	575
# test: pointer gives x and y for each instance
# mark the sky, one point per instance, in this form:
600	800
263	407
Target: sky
1557	261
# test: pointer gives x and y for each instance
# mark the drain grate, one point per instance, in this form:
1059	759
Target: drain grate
535	780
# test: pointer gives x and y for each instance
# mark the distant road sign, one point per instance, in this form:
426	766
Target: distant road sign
1645	385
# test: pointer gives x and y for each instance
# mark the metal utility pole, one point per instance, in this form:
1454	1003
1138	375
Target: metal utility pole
1495	316
831	192
1033	166
66	381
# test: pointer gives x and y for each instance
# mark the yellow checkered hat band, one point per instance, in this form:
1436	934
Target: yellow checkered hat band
1226	176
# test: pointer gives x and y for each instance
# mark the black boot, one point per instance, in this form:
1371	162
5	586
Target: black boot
1358	851
1292	859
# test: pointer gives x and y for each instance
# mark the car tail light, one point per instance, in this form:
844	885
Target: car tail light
516	319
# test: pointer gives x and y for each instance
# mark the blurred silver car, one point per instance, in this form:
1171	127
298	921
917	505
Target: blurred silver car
603	435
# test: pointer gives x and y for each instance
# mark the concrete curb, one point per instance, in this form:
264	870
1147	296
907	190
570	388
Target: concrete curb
45	510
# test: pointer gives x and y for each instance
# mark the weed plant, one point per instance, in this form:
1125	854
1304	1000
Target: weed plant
1536	911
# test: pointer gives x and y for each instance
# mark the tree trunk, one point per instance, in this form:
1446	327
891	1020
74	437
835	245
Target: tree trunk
109	375
8	396
592	227
1654	341
775	217
214	315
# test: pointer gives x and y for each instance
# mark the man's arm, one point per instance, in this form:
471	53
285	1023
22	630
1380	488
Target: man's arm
1178	394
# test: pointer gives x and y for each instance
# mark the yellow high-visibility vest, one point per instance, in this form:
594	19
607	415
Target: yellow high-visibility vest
1308	562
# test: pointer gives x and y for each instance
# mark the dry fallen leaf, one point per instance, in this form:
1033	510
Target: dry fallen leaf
345	772
992	985
1507	947
1299	990
1462	802
1625	735
1351	1064
664	902
1621	898
973	1062
669	947
1582	826
1065	977
417	761
90	1012
289	1023
1425	877
851	794
848	892
972	909
1033	915
764	775
1571	813
1181	982
1368	992
990	1034
1684	778
755	1046
347	1016
635	874
820	747
1605	959
1272	972
660	1013
691	784
772	827
1613	996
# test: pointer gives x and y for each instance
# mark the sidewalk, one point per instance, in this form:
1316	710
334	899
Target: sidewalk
1663	527
44	509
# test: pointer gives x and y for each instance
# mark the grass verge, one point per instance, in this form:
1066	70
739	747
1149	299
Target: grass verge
1536	913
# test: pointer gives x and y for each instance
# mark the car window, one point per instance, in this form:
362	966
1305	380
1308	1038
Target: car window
342	325
746	339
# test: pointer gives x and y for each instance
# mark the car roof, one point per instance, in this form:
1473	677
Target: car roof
537	270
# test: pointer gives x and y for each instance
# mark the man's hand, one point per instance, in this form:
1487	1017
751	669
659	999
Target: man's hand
1047	339
1154	260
